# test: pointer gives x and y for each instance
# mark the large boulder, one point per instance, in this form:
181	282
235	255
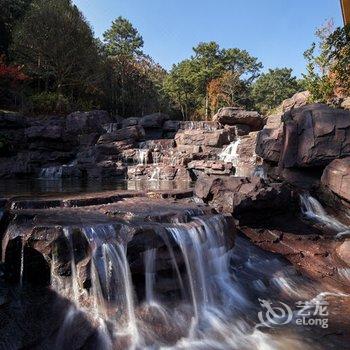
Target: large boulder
215	138
247	199
51	129
12	133
236	115
133	133
155	120
87	122
298	100
336	178
269	139
314	135
210	167
247	159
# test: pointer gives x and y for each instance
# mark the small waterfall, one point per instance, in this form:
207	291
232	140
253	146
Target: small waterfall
150	275
313	210
156	156
22	264
214	301
155	176
53	172
143	156
230	155
260	171
56	172
111	127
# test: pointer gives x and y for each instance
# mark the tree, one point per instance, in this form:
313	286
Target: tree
56	47
123	39
11	12
135	80
319	80
228	90
180	85
11	82
338	56
271	88
191	82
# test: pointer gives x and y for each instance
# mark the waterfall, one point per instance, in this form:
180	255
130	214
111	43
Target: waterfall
229	154
313	210
149	262
143	156
155	176
260	171
56	172
53	172
214	300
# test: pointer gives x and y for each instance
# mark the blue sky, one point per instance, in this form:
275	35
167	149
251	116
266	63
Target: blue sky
275	31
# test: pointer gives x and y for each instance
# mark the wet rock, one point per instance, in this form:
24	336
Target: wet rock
105	169
211	167
158	172
247	199
336	178
236	115
200	125
52	238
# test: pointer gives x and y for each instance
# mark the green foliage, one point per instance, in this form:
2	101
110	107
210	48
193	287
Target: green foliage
338	55
11	12
271	88
122	39
48	102
133	81
56	46
189	81
319	79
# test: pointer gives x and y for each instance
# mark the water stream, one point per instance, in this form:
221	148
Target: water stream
220	289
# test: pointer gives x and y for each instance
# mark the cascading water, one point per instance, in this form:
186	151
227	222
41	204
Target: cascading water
215	296
143	156
229	154
56	172
313	210
53	172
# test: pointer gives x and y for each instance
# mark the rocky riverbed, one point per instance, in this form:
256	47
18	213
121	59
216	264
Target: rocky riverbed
157	233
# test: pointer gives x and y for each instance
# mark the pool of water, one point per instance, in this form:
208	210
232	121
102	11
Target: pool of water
32	186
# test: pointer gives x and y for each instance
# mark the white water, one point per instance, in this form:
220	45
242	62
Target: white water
214	298
155	176
143	156
229	154
150	274
53	172
314	211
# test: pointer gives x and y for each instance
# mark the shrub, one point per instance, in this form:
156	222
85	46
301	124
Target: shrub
49	102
